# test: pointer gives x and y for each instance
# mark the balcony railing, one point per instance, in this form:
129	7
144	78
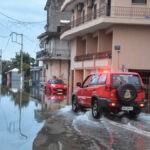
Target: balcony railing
128	12
55	53
99	55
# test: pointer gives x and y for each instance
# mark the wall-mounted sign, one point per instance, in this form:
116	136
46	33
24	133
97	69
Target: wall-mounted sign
117	47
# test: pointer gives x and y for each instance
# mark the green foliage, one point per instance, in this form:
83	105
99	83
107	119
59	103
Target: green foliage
16	63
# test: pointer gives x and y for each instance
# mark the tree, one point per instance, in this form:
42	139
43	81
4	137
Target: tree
16	63
5	67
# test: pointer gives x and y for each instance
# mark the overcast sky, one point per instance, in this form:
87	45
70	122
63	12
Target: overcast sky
21	16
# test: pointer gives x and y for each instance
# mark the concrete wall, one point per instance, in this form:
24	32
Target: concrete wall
91	44
128	3
59	68
54	15
105	41
81	46
135	47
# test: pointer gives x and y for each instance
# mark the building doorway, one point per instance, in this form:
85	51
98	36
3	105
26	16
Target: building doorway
145	75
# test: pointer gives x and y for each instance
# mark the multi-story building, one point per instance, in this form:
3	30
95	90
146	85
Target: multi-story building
54	53
108	35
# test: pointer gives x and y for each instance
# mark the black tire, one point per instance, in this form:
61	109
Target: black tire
131	93
134	114
96	109
75	105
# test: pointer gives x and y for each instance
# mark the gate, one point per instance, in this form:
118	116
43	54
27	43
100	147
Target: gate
146	81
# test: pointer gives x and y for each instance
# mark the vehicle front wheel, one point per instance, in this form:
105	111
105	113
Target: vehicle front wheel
75	105
96	109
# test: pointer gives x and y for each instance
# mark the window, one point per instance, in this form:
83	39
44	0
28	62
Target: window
57	81
139	1
118	80
94	80
101	80
87	81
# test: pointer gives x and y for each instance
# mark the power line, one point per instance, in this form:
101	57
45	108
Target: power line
7	44
21	22
29	39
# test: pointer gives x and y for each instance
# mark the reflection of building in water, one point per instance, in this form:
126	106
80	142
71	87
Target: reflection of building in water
35	92
37	77
49	103
13	79
53	102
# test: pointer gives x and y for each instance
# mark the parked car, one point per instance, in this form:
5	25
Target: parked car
56	86
55	97
116	93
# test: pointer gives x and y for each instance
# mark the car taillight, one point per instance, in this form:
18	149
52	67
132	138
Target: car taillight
112	104
108	87
142	105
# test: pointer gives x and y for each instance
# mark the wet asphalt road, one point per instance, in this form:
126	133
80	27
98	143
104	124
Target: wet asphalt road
41	121
65	130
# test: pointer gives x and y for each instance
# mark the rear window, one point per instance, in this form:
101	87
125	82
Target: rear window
120	79
57	81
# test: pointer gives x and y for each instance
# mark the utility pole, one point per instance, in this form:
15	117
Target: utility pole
15	39
0	67
0	72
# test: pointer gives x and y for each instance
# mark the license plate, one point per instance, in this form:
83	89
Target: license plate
59	90
128	108
60	93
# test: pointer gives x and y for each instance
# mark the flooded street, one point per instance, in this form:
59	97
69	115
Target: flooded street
40	121
19	125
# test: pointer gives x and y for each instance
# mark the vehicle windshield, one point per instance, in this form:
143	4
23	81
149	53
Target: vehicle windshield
120	79
57	81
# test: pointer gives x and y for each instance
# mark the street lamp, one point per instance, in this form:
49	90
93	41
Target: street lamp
15	39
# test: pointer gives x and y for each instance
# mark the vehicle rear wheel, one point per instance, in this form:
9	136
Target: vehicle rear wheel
75	105
96	109
134	114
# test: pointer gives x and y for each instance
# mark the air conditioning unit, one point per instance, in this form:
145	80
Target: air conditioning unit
103	8
80	6
90	3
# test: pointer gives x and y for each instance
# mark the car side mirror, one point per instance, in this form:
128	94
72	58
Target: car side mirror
78	84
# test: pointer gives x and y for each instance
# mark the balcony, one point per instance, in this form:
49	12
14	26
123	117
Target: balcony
54	54
99	55
115	14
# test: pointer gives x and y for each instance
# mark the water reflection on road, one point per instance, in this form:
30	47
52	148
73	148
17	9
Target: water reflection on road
23	114
18	125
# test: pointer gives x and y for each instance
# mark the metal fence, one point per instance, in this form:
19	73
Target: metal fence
105	11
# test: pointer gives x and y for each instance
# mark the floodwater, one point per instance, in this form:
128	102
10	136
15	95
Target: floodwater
40	121
23	114
19	124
